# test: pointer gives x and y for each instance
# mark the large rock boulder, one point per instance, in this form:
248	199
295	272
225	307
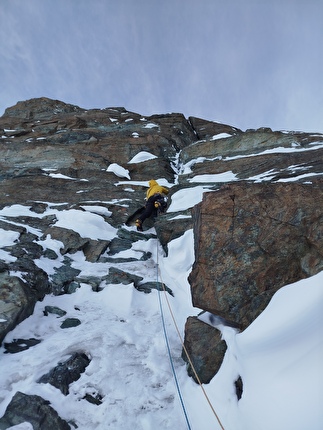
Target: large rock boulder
16	302
34	410
204	350
250	240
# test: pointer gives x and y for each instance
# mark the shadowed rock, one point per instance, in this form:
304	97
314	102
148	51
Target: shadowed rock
34	410
205	349
16	303
67	372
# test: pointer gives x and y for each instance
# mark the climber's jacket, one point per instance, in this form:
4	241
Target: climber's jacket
155	188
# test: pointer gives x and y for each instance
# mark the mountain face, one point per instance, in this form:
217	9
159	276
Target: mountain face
255	213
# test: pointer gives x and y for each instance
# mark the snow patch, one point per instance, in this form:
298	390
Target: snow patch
118	170
218	177
86	224
8	238
187	198
151	125
97	209
141	157
220	136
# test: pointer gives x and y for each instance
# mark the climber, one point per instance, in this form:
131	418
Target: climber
155	201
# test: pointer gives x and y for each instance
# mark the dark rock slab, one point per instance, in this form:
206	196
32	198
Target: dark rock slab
93	249
117	276
66	372
118	245
34	410
146	287
63	277
18	345
54	310
95	399
205	349
70	322
16	302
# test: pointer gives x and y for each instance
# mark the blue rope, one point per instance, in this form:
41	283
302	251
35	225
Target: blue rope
169	353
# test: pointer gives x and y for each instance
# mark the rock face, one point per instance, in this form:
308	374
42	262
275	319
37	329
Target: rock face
48	136
250	241
258	227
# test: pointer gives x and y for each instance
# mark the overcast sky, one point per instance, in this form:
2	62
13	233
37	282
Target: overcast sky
247	63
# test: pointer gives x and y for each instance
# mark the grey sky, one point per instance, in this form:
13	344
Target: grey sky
247	63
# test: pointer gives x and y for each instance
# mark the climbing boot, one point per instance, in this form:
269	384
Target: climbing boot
139	225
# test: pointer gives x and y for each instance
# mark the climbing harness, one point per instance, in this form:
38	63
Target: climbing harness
184	348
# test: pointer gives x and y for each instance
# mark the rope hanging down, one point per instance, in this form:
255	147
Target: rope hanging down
184	348
169	352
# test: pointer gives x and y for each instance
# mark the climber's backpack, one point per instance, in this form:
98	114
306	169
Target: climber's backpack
161	204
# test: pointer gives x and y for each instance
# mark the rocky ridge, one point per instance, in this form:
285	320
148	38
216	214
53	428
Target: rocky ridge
257	227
